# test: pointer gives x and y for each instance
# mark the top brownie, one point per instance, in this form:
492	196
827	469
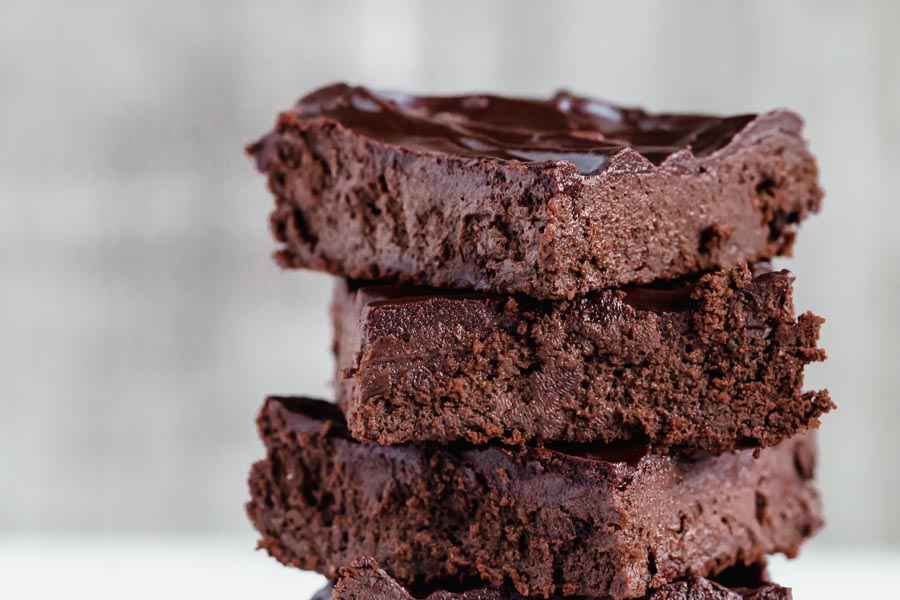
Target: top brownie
552	198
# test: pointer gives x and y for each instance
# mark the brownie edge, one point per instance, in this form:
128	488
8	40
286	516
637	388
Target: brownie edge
365	580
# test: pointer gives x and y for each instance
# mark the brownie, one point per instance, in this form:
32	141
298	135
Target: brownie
365	580
590	520
553	198
711	364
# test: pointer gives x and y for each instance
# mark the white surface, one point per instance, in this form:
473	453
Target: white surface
196	568
223	568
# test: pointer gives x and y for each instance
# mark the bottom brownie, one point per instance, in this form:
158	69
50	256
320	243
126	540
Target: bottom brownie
365	580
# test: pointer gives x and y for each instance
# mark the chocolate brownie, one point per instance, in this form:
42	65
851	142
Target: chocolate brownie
552	198
710	364
365	580
585	521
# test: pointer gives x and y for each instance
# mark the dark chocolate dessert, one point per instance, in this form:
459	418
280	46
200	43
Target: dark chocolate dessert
550	198
712	364
614	521
365	580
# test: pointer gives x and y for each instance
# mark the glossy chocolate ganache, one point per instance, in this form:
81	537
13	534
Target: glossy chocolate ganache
582	131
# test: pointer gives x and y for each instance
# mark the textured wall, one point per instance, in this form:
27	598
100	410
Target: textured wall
141	321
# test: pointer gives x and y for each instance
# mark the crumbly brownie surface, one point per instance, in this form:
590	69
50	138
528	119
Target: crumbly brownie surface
365	580
712	364
587	521
552	198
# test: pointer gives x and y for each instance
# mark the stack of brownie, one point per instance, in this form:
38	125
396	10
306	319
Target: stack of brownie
565	367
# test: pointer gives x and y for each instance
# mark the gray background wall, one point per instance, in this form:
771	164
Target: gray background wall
141	321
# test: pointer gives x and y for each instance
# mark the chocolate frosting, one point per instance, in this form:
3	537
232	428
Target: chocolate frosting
566	127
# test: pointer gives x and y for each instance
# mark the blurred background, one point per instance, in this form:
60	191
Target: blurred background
142	321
